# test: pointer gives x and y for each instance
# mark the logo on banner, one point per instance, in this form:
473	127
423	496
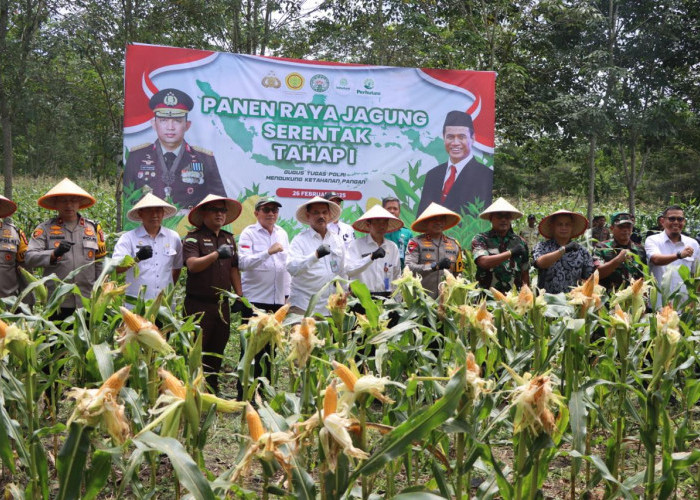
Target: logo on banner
294	81
319	83
368	85
342	86
271	81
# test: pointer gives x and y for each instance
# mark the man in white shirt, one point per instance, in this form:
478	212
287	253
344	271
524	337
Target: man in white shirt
669	250
337	226
373	259
316	256
157	250
262	259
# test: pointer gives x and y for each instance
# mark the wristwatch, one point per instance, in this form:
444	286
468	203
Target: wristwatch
679	255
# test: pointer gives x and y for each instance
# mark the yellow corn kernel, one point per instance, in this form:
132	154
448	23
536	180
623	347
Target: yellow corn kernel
172	383
348	377
116	381
133	321
3	329
330	400
255	426
281	313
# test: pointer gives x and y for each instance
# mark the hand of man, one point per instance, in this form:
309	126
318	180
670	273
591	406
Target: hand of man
444	263
275	248
687	252
572	246
145	252
322	251
378	253
224	251
518	250
62	248
622	256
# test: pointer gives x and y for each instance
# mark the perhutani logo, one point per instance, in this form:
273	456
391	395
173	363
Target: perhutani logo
368	85
342	86
271	81
294	81
319	83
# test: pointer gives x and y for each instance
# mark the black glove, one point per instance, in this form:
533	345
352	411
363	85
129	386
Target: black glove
444	263
224	252
571	247
518	250
378	253
322	251
62	248
145	252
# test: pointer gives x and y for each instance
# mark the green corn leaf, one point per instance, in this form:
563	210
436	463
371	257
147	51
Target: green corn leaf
96	478
185	467
71	461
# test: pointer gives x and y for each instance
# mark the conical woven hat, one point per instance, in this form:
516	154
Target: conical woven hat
435	210
7	207
580	223
303	216
500	205
377	212
66	188
150	201
233	207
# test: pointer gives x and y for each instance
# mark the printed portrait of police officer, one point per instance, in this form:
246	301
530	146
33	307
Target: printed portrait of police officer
462	179
171	168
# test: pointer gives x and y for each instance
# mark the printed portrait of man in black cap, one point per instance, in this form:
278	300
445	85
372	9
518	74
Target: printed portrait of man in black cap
170	168
462	179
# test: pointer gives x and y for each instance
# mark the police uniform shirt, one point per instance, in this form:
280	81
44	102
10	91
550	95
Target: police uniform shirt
206	284
264	277
88	247
377	274
309	273
423	251
193	174
344	230
155	273
13	246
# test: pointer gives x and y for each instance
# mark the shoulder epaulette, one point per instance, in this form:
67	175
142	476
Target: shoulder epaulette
90	221
140	146
202	150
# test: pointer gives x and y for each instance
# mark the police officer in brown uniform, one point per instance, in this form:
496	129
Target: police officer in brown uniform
211	258
13	245
171	168
68	241
431	252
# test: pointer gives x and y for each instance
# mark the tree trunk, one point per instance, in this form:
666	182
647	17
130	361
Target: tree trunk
591	175
7	157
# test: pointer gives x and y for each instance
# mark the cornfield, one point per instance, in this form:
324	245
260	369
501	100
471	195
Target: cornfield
474	395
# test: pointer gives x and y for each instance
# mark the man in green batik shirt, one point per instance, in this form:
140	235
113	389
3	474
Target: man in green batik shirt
617	266
501	256
402	236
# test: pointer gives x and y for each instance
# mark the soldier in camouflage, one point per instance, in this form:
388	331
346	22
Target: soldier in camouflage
617	266
501	256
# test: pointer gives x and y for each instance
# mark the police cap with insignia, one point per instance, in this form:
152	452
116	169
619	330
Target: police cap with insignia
171	103
458	119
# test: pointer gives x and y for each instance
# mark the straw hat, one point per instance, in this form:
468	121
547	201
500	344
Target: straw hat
435	210
233	207
7	207
66	188
580	223
500	205
377	212
150	201
303	216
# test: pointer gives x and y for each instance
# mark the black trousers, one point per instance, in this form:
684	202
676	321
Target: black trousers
215	334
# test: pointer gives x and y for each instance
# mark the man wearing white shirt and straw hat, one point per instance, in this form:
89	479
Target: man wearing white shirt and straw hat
156	250
316	256
373	259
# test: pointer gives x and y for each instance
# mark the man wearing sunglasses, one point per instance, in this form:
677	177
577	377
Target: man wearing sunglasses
670	249
262	258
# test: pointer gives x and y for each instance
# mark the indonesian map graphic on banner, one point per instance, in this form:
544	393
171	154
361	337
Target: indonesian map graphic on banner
250	126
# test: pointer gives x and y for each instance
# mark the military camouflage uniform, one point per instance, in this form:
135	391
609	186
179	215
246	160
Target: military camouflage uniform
531	235
626	272
423	252
89	246
13	245
507	273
